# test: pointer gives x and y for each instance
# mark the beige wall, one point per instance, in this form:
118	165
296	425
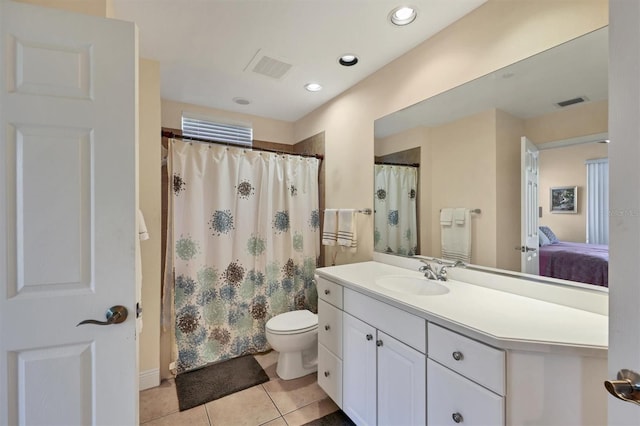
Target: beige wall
463	172
577	120
493	36
264	129
149	163
566	167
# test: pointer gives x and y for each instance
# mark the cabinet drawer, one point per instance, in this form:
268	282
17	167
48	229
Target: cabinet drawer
477	361
329	292
406	327
451	397
330	374
330	327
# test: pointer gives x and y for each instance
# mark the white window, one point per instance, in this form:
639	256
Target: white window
216	131
598	201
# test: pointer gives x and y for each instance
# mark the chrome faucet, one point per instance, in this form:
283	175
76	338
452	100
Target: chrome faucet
429	273
440	274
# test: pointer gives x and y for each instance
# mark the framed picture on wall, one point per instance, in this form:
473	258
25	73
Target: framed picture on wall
564	199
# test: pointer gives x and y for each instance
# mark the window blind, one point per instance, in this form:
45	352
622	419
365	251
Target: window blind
598	201
235	134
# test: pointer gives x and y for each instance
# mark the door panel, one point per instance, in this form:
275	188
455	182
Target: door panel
402	383
359	371
529	194
68	187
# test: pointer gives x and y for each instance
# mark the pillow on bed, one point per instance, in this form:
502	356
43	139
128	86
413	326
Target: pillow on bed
549	234
543	239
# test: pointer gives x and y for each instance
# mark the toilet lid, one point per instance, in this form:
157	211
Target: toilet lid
293	321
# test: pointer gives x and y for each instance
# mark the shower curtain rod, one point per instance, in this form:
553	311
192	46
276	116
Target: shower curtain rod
383	163
191	138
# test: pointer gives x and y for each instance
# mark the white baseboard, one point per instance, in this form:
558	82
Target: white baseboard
149	379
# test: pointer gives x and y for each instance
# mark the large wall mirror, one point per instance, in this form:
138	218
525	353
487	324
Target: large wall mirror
456	159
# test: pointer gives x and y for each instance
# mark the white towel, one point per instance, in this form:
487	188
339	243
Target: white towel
330	227
347	237
456	240
446	216
459	215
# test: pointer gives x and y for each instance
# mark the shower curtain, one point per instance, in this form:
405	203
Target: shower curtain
395	209
246	240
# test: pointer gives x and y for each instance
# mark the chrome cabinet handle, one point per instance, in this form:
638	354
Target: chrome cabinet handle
378	343
627	387
327	291
457	417
369	337
327	327
457	355
115	315
327	374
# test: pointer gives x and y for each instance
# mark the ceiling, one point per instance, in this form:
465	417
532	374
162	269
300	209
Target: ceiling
526	89
207	49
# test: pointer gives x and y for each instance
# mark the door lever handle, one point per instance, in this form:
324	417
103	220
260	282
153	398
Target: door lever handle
115	315
627	387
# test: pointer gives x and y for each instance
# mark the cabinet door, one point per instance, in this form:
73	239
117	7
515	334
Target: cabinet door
453	398
402	383
359	371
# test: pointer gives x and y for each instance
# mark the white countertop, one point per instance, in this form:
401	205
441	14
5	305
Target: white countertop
498	318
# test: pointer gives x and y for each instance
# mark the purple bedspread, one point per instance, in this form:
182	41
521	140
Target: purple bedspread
585	263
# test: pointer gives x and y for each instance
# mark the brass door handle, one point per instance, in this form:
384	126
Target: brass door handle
627	387
115	315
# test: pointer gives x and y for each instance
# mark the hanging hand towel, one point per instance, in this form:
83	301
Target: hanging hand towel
330	227
459	215
456	240
446	216
347	229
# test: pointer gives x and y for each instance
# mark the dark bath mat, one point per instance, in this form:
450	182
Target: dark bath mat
197	387
337	418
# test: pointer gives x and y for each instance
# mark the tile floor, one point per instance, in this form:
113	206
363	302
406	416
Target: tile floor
274	403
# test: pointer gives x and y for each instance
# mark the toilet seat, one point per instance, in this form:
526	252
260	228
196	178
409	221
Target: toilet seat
294	322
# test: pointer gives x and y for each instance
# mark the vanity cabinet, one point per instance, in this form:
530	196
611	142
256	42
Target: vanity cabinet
383	380
384	376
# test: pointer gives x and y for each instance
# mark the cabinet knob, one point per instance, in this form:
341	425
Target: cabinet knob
327	374
369	337
457	355
327	327
378	343
457	417
327	291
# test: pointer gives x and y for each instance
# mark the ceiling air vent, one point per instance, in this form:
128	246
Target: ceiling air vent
268	66
573	101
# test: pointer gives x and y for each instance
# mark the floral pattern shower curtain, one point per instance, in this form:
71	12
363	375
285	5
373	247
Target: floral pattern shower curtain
246	234
395	209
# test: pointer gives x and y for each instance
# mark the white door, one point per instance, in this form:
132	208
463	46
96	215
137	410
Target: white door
529	195
359	371
624	199
402	384
67	217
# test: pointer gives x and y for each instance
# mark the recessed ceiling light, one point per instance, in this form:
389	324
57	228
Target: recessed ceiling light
313	87
241	101
348	60
403	15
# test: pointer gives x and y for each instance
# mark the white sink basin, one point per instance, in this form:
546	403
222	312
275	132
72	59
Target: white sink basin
415	286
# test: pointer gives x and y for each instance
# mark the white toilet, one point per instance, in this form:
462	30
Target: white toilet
295	336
